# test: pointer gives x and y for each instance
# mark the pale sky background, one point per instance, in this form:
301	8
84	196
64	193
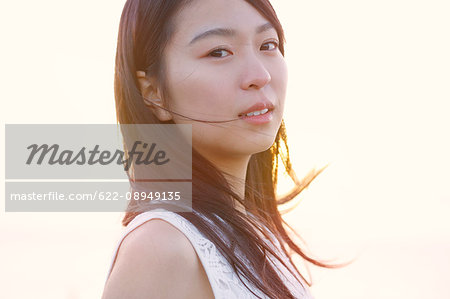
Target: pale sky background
369	92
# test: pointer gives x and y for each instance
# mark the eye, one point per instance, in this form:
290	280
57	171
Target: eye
269	46
219	53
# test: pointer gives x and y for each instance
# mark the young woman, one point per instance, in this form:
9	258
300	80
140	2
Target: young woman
219	66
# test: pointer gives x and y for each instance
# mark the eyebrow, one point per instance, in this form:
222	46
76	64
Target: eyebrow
228	32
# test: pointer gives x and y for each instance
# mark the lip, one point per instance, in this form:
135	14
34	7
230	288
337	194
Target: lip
256	107
258	119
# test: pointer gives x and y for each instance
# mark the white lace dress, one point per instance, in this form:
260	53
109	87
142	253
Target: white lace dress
225	283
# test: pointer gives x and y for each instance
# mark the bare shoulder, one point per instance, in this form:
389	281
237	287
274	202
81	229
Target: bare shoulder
157	260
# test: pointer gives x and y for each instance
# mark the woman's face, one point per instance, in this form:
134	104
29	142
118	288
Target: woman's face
216	75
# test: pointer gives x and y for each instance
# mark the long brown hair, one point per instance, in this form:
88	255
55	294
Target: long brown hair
146	26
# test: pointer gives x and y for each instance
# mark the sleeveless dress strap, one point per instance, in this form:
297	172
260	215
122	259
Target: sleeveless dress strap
224	281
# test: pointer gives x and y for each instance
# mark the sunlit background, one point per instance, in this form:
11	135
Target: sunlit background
369	93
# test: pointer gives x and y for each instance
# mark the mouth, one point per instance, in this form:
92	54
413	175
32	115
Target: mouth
256	113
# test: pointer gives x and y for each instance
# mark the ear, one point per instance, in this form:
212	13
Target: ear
151	96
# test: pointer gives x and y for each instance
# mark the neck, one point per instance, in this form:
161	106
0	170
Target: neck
235	171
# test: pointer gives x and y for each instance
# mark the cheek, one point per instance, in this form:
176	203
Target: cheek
199	91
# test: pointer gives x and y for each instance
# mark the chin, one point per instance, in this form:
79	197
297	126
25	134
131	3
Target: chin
261	145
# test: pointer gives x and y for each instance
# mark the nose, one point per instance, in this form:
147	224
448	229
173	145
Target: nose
255	74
